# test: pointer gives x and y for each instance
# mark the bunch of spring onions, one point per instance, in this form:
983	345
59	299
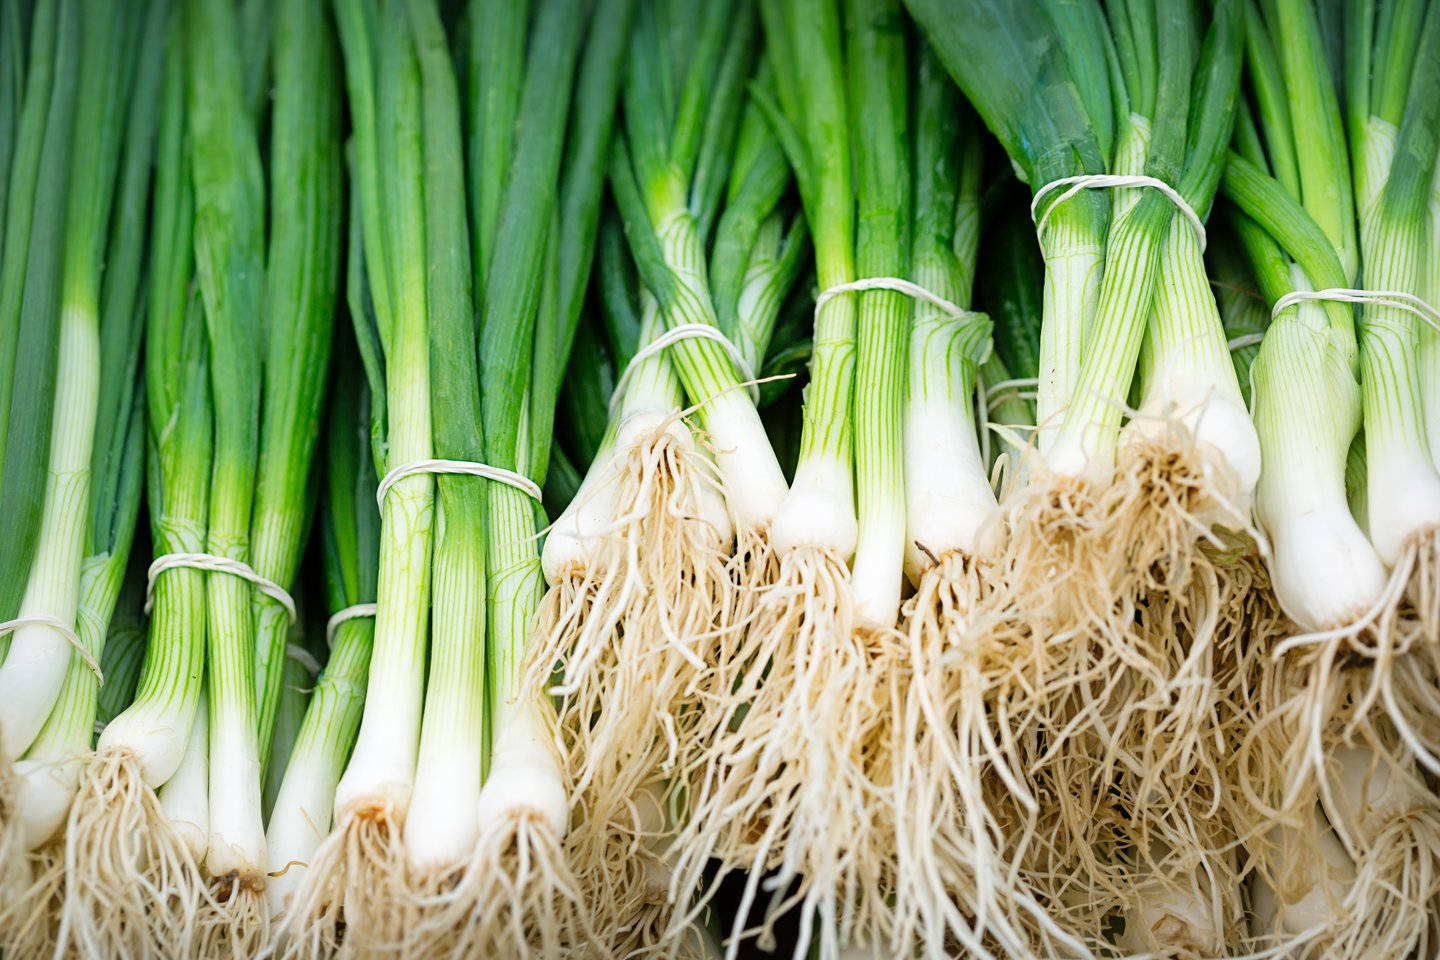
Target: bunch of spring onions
986	504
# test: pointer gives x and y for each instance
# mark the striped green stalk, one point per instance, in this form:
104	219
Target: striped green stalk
34	669
350	537
508	330
675	102
1060	128
156	725
30	276
301	279
1184	144
383	80
946	483
1293	227
301	669
1393	201
578	215
13	39
440	827
124	649
879	119
229	260
805	51
116	464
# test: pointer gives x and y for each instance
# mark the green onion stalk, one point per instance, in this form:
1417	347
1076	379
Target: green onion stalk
66	291
441	830
301	281
110	183
229	236
302	667
30	278
350	537
118	833
358	870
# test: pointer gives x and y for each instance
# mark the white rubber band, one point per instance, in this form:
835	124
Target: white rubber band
1011	384
1243	341
1094	181
71	637
897	284
1397	299
210	563
687	331
468	468
353	612
303	657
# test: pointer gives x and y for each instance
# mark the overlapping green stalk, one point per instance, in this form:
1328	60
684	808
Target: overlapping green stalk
301	282
350	528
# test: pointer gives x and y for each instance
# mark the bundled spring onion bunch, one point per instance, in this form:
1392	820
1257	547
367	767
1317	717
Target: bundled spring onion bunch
203	853
450	815
1333	766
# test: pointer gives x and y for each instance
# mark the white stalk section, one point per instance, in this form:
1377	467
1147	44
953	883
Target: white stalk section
1429	336
949	501
185	797
754	483
1324	570
34	667
1403	486
301	817
572	543
524	780
1188	373
50	769
440	829
382	768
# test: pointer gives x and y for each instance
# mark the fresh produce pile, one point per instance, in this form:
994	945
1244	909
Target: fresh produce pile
719	478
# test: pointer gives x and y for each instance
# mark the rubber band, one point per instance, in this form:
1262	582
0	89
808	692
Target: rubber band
898	285
303	657
211	563
352	612
469	468
1243	341
1397	299
687	331
1094	181
71	637
1011	384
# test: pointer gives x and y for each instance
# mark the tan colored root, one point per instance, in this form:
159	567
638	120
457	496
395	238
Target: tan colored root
956	887
798	776
348	904
131	887
1388	909
641	628
30	902
627	890
517	897
234	920
1382	669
